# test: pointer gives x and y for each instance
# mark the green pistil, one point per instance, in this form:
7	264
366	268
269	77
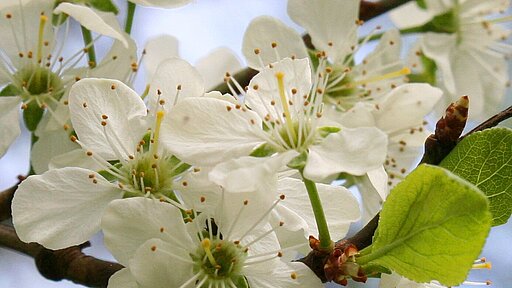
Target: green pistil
300	144
220	260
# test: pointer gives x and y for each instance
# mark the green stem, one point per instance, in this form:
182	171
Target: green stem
129	17
91	53
323	229
33	140
411	30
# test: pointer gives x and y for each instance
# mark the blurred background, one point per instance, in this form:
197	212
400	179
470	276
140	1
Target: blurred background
201	27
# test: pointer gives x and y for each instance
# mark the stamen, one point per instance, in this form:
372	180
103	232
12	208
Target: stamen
156	135
42	22
401	72
261	218
484	265
206	246
284	104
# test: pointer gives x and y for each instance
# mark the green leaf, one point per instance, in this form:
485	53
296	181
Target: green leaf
432	227
485	159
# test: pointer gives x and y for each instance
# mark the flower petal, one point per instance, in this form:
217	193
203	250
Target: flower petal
117	64
440	47
157	50
100	22
213	67
50	144
410	15
129	223
297	75
122	279
61	207
204	131
262	32
331	24
158	264
161	3
341	208
91	100
74	158
354	151
406	106
175	79
9	119
24	20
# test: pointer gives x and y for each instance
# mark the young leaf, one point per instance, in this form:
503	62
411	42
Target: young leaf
485	159
432	227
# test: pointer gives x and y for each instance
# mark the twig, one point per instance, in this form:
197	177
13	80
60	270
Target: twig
70	263
491	122
6	200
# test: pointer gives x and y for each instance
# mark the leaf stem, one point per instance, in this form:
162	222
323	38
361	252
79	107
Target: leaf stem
91	52
129	17
323	229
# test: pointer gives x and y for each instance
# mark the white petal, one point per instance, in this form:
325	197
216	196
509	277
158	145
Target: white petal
358	116
297	75
198	186
74	158
279	275
161	3
331	24
249	174
122	279
129	223
123	107
117	64
340	206
154	265
213	67
260	177
354	151
62	207
261	33
202	132
440	47
410	15
12	29
49	145
170	74
406	106
97	21
371	199
157	50
9	119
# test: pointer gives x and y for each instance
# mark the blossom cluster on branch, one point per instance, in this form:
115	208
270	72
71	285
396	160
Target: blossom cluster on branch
258	184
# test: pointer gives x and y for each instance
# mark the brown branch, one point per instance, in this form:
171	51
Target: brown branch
70	263
491	122
6	197
367	10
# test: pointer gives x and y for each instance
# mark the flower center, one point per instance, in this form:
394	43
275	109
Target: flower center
34	80
221	261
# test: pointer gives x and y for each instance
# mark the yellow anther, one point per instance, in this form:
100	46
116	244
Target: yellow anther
284	103
206	244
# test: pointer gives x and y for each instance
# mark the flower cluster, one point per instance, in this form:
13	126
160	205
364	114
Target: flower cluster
198	188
